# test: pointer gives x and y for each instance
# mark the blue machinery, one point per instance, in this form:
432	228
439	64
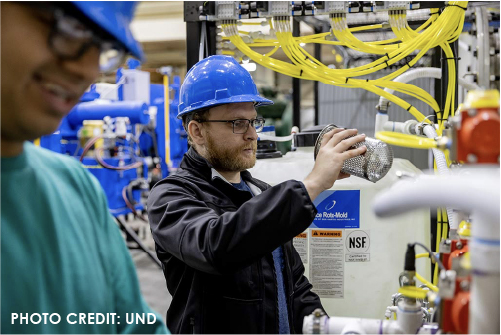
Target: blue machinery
127	142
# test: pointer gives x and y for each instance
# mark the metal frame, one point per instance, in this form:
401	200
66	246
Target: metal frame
193	32
296	84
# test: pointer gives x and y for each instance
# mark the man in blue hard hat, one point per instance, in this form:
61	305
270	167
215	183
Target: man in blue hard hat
65	267
223	237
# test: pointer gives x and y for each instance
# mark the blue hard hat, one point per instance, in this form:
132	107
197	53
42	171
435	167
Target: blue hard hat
115	18
214	81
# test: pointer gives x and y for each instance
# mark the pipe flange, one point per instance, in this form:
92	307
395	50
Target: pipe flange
315	322
420	126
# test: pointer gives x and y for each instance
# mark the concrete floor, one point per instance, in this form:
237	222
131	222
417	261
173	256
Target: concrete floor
152	282
150	275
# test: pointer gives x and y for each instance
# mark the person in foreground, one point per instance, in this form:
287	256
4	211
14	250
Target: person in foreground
64	264
224	238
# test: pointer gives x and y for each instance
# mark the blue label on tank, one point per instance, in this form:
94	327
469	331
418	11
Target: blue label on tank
337	209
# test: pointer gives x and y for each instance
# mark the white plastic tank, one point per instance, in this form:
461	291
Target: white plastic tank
355	264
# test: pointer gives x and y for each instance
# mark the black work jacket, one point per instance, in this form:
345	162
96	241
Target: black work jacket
215	243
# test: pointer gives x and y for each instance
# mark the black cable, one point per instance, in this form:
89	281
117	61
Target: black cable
153	135
410	258
463	8
130	196
431	253
129	231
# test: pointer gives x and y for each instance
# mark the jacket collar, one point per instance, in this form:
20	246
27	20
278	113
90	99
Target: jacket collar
197	164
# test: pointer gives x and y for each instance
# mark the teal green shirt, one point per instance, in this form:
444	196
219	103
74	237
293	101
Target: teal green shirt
62	252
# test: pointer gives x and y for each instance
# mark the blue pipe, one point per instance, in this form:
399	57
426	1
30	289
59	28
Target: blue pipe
136	111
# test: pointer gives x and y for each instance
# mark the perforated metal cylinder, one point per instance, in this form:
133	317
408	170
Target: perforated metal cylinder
373	165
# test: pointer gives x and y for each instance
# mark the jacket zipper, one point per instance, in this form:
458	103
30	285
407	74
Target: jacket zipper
289	294
192	324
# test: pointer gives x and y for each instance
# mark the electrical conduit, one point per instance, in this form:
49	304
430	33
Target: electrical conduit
443	169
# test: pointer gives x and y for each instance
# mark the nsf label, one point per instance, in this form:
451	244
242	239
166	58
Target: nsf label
358	246
337	209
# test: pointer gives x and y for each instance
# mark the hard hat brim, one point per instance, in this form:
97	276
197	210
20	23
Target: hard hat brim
257	100
114	21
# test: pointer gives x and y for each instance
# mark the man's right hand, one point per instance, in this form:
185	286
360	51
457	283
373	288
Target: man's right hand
330	158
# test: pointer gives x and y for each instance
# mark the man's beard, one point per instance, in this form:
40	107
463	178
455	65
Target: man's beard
230	159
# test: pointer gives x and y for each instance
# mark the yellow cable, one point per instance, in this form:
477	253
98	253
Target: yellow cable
439	229
404	140
270	22
435	274
168	161
440	29
252	23
373	26
329	73
445	224
412	292
437	243
427	283
424	281
272	51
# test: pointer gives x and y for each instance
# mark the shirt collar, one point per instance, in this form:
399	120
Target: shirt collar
216	174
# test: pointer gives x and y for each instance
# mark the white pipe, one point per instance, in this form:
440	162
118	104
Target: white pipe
484	290
423	72
443	169
409	321
394	126
381	120
479	192
467	85
383	124
484	304
274	138
389	311
409	317
463	45
342	325
407	127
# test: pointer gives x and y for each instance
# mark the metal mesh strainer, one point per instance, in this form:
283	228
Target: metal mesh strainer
373	165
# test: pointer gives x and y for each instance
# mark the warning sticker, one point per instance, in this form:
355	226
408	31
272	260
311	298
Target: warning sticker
300	243
358	246
337	209
326	233
326	262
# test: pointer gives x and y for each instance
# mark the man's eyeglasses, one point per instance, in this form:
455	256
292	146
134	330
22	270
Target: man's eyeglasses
240	126
69	39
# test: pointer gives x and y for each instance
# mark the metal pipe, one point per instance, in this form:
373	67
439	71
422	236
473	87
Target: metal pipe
136	111
483	57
